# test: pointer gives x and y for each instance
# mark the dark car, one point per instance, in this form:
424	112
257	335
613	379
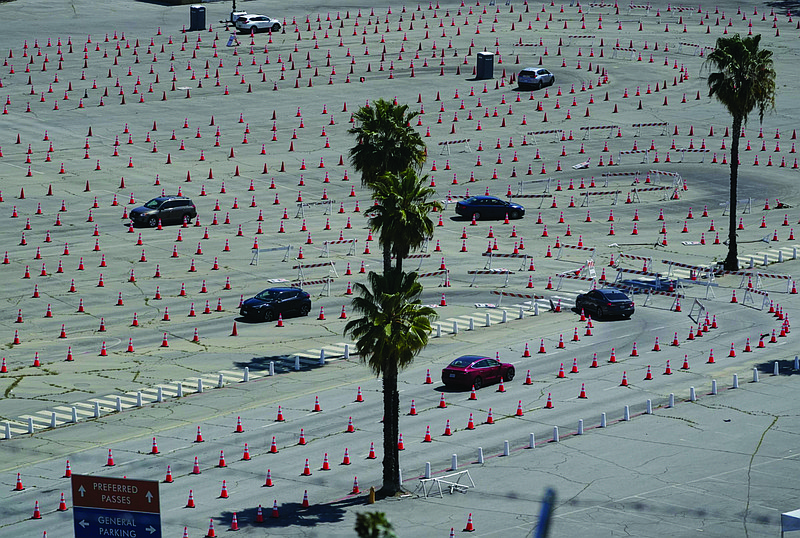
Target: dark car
476	371
167	209
535	78
605	302
488	207
273	301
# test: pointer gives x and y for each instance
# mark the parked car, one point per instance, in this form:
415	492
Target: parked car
254	23
488	207
605	302
535	78
167	209
271	302
476	371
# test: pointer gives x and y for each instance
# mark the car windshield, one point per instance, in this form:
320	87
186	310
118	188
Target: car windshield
269	294
462	362
153	204
615	296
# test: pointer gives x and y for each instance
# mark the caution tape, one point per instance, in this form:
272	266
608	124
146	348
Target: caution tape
297	284
573	276
433	273
600	193
758	275
620	174
576	247
648	189
651	124
634	257
448	142
311	265
495	255
687	266
548	131
634	272
519	295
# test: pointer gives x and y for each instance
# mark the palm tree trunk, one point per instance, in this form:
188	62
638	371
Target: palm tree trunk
387	260
732	260
391	427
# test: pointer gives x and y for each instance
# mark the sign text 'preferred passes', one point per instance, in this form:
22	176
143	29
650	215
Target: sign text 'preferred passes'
119	507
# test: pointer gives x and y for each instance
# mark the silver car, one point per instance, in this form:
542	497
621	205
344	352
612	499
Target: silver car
535	78
254	23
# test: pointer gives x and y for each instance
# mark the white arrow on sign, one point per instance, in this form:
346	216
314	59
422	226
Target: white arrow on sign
149	496
83	491
150	529
83	523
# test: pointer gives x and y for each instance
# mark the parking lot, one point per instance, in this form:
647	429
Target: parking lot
116	335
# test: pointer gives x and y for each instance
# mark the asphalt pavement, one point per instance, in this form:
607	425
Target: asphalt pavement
140	326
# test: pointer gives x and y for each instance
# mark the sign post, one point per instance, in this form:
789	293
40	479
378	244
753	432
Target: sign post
104	506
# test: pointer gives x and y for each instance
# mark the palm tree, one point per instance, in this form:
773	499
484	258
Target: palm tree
742	79
394	327
386	142
400	215
374	525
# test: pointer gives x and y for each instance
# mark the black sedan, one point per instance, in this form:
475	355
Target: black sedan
273	301
488	207
605	302
476	371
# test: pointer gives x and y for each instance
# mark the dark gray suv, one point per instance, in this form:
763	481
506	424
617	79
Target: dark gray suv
167	209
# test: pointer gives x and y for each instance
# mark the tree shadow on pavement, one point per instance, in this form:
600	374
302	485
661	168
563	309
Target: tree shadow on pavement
292	514
785	367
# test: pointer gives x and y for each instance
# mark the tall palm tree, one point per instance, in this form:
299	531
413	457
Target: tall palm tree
386	141
742	78
393	328
400	215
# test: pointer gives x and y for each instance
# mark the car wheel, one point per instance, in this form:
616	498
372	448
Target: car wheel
552	81
276	27
476	216
599	312
509	374
537	86
305	309
268	315
514	214
152	222
477	382
186	218
254	29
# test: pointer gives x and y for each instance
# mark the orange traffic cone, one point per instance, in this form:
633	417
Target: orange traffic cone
469	527
624	382
528	380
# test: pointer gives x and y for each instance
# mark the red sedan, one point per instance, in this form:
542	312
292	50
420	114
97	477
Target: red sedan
476	371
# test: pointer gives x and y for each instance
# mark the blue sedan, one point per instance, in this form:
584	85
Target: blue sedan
489	207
